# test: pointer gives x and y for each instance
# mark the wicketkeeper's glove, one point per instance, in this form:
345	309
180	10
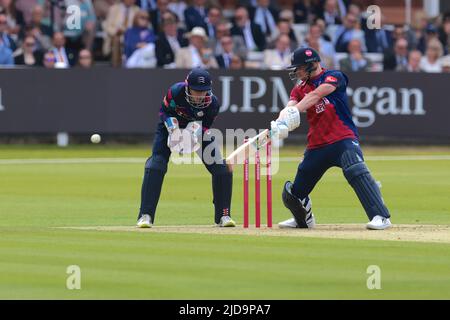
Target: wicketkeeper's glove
194	138
174	131
171	124
183	141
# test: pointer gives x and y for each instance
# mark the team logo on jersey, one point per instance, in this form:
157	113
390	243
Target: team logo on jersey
308	53
322	105
330	79
200	114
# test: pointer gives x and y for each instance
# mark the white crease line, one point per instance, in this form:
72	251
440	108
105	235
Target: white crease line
142	160
72	161
387	158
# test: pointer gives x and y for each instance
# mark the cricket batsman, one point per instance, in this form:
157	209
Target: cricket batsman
332	141
187	112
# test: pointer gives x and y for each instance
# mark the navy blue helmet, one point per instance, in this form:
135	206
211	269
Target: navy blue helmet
199	79
303	57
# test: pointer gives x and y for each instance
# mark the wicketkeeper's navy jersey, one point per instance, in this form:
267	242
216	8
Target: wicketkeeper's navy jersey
175	105
330	120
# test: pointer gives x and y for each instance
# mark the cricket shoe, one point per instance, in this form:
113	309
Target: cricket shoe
226	221
145	221
291	223
379	223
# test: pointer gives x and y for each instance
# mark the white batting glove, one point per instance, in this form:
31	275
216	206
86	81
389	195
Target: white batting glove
291	117
279	129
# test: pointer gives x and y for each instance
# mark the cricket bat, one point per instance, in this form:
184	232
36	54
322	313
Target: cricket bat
254	143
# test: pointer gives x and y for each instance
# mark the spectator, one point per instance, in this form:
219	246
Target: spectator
414	58
223	29
178	7
325	48
40	32
49	60
430	61
401	32
5	38
169	41
377	40
417	31
280	57
139	35
29	56
331	13
84	36
196	54
59	14
323	28
147	5
120	18
156	15
355	60
254	38
348	31
266	17
315	8
398	58
214	16
225	58
25	6
444	33
284	27
354	9
65	58
301	12
431	32
15	19
237	63
286	15
101	8
6	55
195	16
445	64
85	59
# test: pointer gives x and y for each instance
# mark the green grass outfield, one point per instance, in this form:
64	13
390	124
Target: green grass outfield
38	198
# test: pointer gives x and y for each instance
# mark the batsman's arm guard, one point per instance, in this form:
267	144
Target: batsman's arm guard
295	205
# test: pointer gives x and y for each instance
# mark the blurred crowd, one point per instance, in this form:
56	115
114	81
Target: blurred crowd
225	34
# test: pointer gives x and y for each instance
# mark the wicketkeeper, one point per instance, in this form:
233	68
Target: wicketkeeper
332	141
187	112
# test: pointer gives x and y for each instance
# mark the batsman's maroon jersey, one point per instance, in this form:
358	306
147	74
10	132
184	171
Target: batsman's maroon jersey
330	120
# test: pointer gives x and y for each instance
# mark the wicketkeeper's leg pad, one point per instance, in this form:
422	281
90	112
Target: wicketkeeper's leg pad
155	170
157	162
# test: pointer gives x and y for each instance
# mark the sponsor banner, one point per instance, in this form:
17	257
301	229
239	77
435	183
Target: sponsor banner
120	101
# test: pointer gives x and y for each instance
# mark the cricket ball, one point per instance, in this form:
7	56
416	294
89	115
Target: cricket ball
95	138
